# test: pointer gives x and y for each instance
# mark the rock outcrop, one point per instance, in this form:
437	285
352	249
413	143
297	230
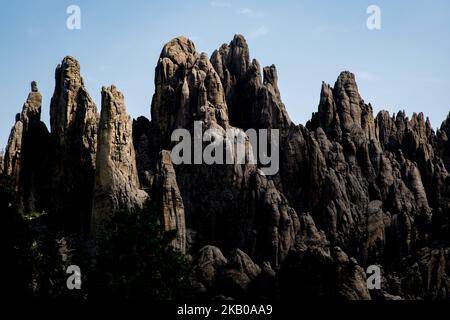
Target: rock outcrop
235	277
353	189
208	262
425	275
253	101
314	270
14	149
188	89
167	197
27	155
370	184
116	180
74	122
1	162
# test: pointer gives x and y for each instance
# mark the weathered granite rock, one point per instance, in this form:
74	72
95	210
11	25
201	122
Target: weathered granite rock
237	277
231	278
27	155
34	184
313	270
348	101
167	197
344	168
14	149
188	88
116	180
1	161
351	278
241	262
353	189
423	275
142	143
443	135
74	122
32	108
377	223
252	102
341	109
276	222
207	264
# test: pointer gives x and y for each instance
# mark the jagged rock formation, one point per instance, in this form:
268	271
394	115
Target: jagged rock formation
142	142
235	277
27	154
14	149
253	102
374	186
443	141
207	263
55	171
168	200
116	179
354	189
74	122
1	162
313	269
188	89
31	112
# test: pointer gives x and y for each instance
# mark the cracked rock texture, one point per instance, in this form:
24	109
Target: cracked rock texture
116	180
74	123
354	188
27	155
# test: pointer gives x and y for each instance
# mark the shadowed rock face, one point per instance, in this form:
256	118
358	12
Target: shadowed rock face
14	149
187	88
253	102
116	180
354	189
227	205
374	186
31	112
168	200
27	156
74	122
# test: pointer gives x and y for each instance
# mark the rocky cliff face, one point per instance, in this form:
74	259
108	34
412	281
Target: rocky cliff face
74	122
14	149
253	101
56	172
116	179
27	154
353	189
373	185
168	200
188	89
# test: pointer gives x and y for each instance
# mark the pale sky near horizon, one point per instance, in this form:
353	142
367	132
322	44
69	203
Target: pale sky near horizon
403	66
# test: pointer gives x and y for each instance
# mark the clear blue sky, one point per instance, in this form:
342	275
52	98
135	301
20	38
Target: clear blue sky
405	65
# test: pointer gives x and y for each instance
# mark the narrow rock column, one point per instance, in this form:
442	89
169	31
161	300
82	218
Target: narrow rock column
74	120
116	178
14	149
1	161
26	155
170	201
